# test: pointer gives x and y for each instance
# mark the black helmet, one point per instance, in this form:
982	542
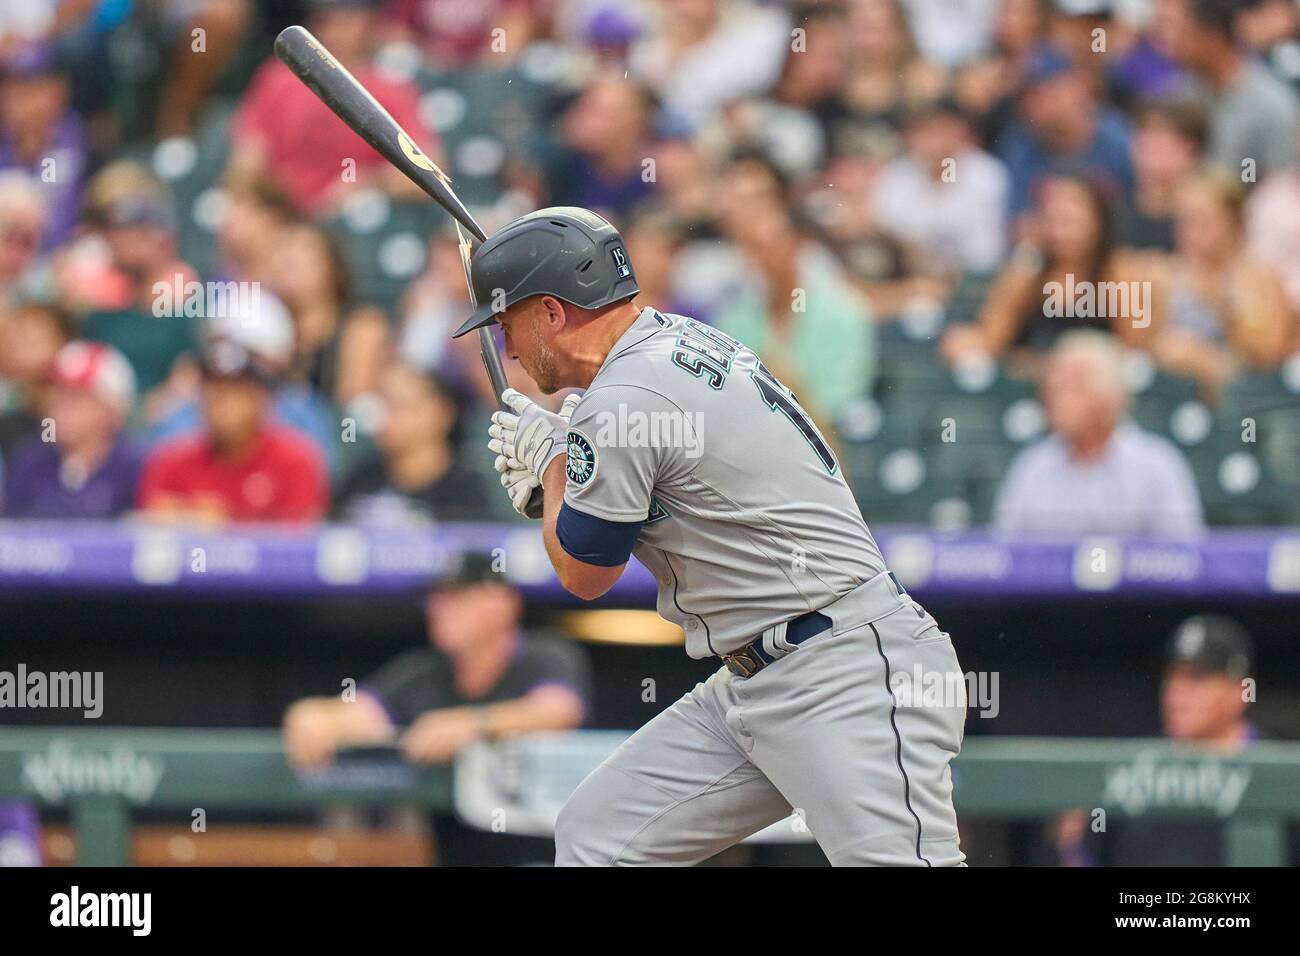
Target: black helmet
563	251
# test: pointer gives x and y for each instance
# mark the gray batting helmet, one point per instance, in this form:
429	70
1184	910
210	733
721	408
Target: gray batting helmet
563	251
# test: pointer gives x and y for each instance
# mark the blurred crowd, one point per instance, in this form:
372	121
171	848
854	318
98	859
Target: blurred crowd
216	303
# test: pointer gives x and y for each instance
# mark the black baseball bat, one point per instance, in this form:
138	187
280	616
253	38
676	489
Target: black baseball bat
351	102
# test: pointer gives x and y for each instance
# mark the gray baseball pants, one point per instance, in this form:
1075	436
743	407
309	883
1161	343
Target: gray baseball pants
838	730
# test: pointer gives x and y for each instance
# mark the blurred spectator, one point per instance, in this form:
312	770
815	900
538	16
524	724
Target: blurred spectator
1121	64
1166	149
20	834
456	34
1098	472
1271	30
945	197
953	32
193	72
606	135
84	467
251	228
654	241
1272	214
482	677
262	326
31	337
986	88
886	73
1031	303
1141	67
283	132
40	134
152	328
810	326
875	259
242	466
340	349
415	478
791	125
1203	700
1063	129
686	183
1254	116
1225	308
22	220
435	304
704	54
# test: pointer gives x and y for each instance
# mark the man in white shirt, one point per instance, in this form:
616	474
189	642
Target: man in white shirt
705	54
1097	472
945	197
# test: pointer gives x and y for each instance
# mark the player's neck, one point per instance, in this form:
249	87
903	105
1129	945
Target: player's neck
597	339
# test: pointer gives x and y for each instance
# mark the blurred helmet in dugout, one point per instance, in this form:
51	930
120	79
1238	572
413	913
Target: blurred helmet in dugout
1212	644
563	251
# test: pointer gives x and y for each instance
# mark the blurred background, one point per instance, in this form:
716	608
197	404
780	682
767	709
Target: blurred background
1032	265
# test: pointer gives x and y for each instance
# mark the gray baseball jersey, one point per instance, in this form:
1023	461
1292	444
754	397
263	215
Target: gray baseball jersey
688	453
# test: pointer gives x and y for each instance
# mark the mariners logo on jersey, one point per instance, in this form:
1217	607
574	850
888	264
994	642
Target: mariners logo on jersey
581	465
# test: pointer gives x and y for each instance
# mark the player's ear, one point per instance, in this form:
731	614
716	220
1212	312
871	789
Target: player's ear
553	316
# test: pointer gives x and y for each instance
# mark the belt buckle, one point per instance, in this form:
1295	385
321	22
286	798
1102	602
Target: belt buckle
743	663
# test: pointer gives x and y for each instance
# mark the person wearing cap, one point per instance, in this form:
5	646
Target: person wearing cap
262	325
151	327
1063	129
40	133
243	465
481	676
1205	691
81	466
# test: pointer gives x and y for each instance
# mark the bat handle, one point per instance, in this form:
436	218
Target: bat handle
492	363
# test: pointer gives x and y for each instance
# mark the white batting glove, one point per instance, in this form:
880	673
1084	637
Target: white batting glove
522	460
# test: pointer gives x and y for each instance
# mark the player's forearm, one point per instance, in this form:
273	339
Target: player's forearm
553	482
580	579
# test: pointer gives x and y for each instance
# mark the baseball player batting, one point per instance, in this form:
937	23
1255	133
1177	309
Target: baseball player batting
761	556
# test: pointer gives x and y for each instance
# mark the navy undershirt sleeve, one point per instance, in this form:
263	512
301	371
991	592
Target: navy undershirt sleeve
593	540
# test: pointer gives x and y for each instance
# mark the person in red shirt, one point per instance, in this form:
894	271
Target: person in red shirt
283	133
242	466
455	33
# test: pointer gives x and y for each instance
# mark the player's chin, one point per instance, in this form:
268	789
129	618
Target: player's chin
545	384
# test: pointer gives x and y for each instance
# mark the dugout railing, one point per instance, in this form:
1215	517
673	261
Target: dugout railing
103	777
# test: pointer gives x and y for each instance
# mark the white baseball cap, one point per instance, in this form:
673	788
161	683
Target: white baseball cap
258	322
